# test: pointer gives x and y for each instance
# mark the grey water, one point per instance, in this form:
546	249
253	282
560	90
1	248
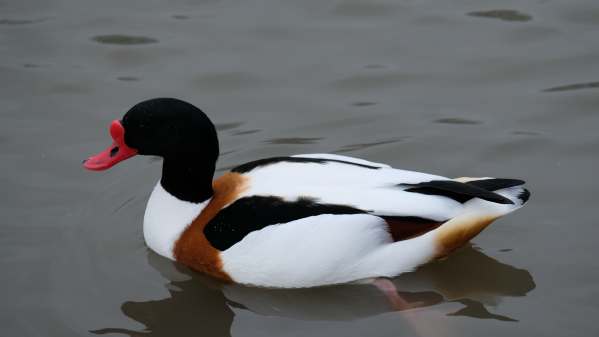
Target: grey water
458	88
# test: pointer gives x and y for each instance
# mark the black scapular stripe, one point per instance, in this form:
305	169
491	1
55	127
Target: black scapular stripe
273	160
460	192
250	214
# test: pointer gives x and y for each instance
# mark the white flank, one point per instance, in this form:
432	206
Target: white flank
331	249
323	249
166	217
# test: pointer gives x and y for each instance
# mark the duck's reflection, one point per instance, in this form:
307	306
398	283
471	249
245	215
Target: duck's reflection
192	303
468	277
473	279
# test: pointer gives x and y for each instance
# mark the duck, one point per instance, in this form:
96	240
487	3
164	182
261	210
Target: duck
296	221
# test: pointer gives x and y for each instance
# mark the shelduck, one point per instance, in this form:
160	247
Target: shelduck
295	221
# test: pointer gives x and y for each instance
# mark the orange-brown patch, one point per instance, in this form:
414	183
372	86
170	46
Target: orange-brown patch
458	231
192	248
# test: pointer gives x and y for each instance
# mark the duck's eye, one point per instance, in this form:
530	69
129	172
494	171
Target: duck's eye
114	151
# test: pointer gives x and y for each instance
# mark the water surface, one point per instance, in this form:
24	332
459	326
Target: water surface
457	88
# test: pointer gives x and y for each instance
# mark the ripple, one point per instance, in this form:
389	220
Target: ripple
363	104
180	17
228	126
119	39
525	133
128	78
502	14
457	120
576	86
225	153
361	146
122	205
246	132
17	22
293	140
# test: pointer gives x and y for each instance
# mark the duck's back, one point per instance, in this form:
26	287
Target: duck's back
340	180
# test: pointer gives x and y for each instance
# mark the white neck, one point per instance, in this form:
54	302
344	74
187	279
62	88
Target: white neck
166	218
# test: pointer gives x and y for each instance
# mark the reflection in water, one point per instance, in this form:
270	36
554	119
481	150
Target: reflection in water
503	14
188	312
469	273
473	279
201	305
334	303
577	86
195	307
478	310
123	39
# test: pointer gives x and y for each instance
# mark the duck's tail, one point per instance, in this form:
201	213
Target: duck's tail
479	213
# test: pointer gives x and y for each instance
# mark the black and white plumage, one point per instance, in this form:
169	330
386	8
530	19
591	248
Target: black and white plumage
304	220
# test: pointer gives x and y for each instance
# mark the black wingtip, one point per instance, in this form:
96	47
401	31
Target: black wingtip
524	195
457	191
495	184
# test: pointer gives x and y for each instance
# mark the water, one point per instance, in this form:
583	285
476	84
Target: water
504	88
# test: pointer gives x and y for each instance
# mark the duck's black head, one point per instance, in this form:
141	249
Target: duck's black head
175	130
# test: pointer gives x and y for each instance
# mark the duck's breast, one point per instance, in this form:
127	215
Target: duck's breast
165	219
